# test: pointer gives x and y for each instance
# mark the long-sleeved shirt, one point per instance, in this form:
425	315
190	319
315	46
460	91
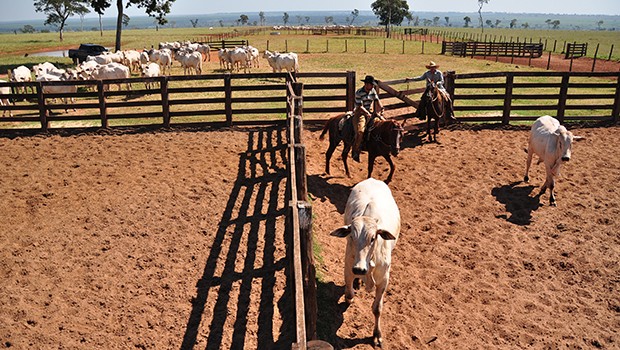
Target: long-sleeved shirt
436	77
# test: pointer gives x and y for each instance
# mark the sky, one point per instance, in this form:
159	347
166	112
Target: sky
15	10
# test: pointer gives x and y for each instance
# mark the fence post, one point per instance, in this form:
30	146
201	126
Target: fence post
595	53
507	99
549	60
563	95
450	78
42	107
228	98
616	109
350	90
165	101
103	111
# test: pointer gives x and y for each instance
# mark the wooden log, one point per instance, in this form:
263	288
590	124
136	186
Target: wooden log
507	99
228	96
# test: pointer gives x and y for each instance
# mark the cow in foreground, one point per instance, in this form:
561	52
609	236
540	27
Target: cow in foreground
372	226
551	142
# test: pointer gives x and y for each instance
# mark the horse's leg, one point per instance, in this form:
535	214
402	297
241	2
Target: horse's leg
371	162
428	128
328	154
345	156
436	128
392	168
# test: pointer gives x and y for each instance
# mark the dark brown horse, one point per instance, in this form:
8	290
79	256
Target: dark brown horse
382	139
435	110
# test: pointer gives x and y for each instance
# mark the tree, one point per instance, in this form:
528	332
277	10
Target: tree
354	15
244	19
307	18
58	11
435	21
599	24
409	17
556	24
261	16
329	19
299	19
28	29
194	22
489	23
548	21
221	21
525	25
285	18
100	6
390	12
480	4
513	23
497	22
125	20
467	20
447	21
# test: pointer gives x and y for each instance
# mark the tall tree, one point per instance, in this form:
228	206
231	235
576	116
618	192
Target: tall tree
261	16
467	20
285	18
157	9
58	11
244	19
435	21
513	23
599	24
480	4
99	6
194	22
390	12
447	21
354	15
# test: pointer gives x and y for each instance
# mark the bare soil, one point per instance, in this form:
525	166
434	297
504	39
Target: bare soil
154	239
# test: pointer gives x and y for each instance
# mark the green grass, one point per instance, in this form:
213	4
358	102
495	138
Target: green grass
345	53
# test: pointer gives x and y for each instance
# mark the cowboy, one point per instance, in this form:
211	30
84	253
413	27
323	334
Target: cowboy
433	75
365	97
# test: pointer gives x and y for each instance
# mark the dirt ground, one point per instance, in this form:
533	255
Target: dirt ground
151	239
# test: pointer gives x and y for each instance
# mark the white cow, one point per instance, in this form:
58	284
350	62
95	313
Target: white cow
46	68
372	226
22	74
5	90
279	61
224	56
112	71
60	89
551	142
190	60
150	70
239	57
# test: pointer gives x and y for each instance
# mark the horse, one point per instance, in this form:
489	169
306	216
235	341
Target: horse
437	109
383	138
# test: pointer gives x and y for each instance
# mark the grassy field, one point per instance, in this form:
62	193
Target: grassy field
384	58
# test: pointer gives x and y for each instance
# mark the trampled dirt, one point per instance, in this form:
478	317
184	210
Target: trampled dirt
174	239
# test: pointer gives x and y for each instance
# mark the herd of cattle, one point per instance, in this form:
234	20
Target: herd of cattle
149	63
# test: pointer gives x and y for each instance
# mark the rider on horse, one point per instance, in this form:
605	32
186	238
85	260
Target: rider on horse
433	75
365	97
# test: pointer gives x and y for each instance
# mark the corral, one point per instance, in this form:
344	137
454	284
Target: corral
153	239
174	238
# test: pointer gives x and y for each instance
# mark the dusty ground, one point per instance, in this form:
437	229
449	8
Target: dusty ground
173	239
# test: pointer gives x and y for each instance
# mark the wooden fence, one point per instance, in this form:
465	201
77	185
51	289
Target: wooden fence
490	97
575	50
491	49
599	93
165	102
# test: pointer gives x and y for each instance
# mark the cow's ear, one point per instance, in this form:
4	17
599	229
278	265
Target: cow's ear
341	231
385	234
578	138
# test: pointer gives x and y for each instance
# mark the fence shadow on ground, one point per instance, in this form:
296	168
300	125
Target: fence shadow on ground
518	202
251	215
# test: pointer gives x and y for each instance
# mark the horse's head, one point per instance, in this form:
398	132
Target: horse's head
396	137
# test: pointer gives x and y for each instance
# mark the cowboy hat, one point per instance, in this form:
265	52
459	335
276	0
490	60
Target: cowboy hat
432	65
369	79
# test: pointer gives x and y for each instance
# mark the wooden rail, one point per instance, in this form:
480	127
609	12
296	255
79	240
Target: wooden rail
477	48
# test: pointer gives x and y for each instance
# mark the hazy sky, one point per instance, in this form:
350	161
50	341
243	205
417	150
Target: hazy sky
13	10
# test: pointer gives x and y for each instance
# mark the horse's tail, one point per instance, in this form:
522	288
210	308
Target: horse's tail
325	129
